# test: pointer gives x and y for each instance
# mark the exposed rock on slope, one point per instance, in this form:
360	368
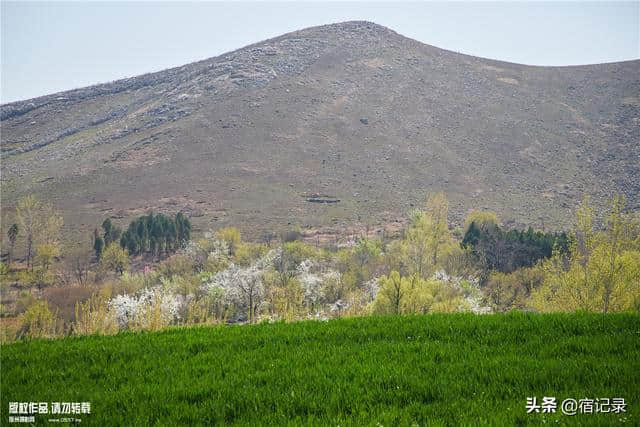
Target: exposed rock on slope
352	109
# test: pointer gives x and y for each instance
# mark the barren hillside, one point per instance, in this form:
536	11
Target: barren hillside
337	125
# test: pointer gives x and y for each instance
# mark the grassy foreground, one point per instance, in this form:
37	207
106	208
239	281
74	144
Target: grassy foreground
429	370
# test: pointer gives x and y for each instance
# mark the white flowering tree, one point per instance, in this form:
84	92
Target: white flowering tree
315	282
241	288
469	287
151	308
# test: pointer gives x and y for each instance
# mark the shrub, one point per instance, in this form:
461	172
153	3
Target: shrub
94	317
181	285
231	236
246	253
150	309
39	322
129	283
411	294
178	264
508	291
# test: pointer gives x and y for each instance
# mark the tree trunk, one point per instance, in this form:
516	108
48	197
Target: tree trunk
29	249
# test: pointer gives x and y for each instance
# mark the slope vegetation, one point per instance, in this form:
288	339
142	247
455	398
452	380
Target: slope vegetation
352	115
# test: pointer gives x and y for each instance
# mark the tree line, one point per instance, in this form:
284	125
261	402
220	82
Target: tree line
154	234
508	250
429	268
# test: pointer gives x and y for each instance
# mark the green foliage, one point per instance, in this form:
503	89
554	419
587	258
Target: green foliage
46	253
156	234
428	238
284	296
292	255
129	283
366	252
246	253
24	277
115	259
98	244
176	265
396	257
393	294
38	321
602	272
455	370
111	232
183	229
461	262
414	295
508	250
93	317
360	263
181	285
423	272
231	236
509	291
41	224
481	219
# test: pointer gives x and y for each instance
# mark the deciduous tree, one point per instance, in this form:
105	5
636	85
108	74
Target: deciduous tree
602	272
12	234
114	258
41	224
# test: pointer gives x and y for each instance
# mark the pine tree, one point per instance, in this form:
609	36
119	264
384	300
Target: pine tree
98	246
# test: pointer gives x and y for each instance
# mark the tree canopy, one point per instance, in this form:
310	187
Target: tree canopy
156	234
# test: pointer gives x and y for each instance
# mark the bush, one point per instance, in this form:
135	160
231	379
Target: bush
246	253
181	285
27	278
94	317
128	283
411	295
509	291
178	264
231	236
39	322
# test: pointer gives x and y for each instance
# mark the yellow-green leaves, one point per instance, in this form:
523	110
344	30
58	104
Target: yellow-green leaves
114	258
602	272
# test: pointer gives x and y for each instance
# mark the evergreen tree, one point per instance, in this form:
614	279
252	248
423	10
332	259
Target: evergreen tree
506	251
98	246
154	234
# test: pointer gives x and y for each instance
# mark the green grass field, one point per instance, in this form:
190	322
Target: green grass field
457	369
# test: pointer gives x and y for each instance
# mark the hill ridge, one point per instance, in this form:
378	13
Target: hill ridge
353	111
12	109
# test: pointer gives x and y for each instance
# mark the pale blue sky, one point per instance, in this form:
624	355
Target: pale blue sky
49	47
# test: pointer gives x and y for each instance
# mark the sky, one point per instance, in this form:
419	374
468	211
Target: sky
50	47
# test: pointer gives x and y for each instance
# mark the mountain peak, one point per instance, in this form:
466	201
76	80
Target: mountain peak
351	111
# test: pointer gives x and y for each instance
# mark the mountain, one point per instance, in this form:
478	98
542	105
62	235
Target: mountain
339	125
